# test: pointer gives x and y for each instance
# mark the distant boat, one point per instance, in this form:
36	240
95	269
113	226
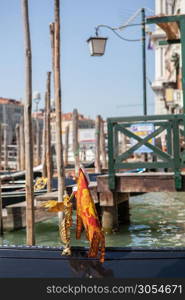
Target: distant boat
15	192
9	198
20	175
44	262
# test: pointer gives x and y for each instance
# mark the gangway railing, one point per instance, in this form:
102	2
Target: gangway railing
171	126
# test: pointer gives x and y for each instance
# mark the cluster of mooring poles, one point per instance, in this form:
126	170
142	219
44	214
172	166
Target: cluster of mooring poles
28	139
46	157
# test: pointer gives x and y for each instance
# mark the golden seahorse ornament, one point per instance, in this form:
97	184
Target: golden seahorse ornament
65	226
66	223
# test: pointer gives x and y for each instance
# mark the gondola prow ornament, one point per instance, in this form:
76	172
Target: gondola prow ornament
87	218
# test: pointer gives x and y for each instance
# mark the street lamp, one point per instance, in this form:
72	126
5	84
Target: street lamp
97	46
52	104
36	99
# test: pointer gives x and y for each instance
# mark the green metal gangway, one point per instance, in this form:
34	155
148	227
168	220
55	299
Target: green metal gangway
173	125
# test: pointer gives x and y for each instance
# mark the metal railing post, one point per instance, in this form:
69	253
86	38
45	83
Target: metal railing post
111	156
176	153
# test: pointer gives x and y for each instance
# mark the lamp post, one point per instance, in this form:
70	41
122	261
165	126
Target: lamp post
97	47
52	104
144	61
36	99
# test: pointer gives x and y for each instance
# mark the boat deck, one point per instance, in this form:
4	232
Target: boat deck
40	262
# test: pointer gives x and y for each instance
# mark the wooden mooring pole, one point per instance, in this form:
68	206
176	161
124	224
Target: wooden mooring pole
115	210
30	234
97	144
0	143
44	171
102	145
1	212
52	37
58	109
66	145
37	133
5	146
48	133
17	132
22	145
75	141
1	205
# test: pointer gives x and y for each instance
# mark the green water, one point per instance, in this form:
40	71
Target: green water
157	220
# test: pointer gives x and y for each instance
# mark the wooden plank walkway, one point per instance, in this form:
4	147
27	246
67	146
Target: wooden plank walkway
140	182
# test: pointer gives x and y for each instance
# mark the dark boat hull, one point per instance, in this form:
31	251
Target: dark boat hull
16	197
39	262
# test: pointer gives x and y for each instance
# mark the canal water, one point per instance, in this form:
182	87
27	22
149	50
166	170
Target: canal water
157	220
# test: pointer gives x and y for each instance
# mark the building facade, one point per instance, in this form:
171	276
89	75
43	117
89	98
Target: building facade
10	113
167	84
83	123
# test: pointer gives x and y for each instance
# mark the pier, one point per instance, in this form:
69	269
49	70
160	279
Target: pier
140	183
114	205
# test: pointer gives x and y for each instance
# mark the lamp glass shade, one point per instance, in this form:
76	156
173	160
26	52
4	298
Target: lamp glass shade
97	45
36	95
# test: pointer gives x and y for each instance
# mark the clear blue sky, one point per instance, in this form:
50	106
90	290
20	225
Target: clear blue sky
101	85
